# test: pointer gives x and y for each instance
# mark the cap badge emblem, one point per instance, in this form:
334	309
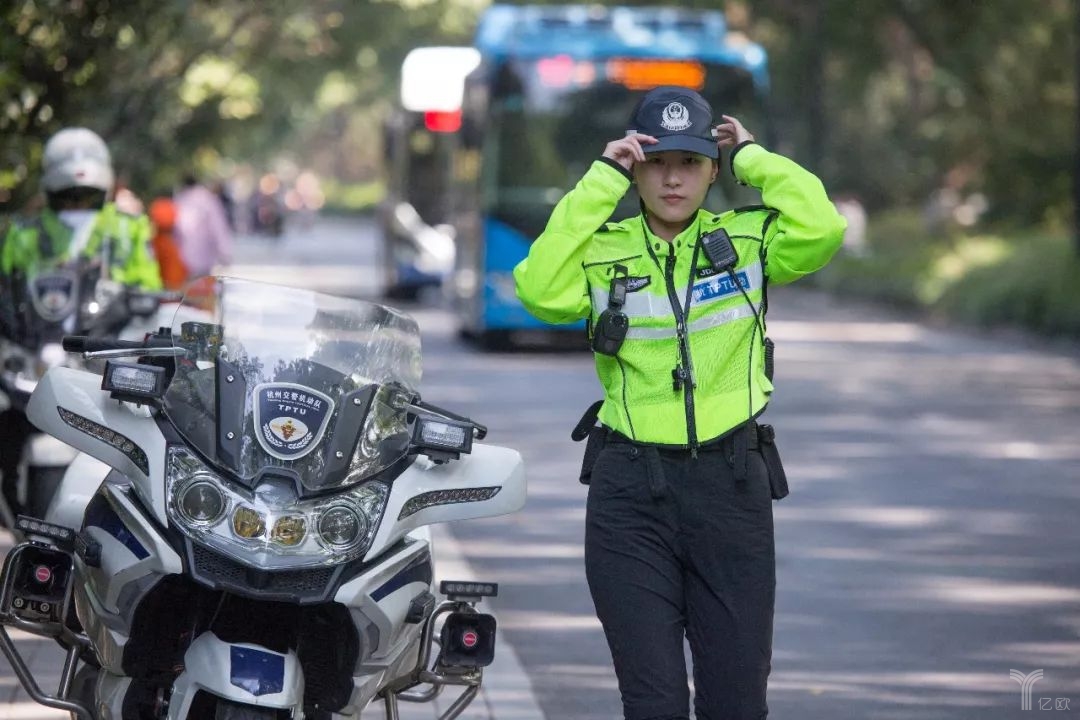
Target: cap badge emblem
676	117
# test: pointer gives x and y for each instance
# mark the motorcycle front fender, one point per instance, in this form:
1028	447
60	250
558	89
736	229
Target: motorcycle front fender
240	673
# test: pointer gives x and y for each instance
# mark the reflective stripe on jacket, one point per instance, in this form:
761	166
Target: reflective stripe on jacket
123	239
567	276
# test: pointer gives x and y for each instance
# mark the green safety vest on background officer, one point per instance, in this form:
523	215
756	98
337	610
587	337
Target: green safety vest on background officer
678	532
77	176
121	239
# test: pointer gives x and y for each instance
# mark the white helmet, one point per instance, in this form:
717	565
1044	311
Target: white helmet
76	157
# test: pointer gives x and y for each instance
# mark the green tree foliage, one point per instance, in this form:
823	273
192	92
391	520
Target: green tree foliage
176	84
888	99
892	99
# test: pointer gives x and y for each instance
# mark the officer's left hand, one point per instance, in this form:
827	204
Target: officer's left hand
731	132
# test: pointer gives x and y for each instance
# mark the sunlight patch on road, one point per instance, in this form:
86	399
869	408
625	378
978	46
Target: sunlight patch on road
535	621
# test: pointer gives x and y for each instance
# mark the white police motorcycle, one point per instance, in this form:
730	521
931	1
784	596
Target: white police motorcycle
35	313
253	544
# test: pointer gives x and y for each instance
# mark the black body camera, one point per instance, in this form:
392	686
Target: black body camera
610	331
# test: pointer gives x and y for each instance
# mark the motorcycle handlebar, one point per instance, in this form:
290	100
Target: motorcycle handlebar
82	343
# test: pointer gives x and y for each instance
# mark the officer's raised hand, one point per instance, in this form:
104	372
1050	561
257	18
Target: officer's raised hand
626	151
731	133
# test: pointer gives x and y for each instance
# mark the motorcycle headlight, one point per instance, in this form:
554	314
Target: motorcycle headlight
270	527
340	526
289	530
247	523
201	502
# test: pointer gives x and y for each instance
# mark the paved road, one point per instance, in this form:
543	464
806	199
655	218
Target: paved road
929	546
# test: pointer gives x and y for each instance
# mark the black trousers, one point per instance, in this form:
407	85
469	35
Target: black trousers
675	547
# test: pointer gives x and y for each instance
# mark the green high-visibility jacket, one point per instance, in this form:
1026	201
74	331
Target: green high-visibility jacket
568	272
122	239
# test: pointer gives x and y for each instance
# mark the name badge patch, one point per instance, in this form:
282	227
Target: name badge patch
719	286
633	284
290	418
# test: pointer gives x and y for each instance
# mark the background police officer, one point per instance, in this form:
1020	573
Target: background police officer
77	177
77	222
679	530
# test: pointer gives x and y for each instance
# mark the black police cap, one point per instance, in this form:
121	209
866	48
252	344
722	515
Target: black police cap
679	118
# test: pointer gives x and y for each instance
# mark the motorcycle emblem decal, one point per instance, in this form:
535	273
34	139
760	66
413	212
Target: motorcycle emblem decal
285	430
54	295
676	117
290	419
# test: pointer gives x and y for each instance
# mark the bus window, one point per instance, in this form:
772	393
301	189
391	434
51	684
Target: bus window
549	122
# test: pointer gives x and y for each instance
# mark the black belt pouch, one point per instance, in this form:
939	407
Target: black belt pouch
593	445
595	436
777	478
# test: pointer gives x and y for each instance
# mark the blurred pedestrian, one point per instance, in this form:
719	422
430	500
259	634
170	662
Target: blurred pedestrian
163	216
224	192
678	524
202	229
849	205
268	211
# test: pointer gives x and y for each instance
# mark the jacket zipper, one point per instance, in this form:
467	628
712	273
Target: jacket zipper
687	366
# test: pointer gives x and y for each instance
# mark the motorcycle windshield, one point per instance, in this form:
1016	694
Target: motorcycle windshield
52	301
298	382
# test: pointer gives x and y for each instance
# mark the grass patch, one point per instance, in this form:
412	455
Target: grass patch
1029	279
1035	285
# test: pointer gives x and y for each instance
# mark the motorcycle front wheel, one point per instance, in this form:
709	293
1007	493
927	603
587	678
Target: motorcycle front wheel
231	711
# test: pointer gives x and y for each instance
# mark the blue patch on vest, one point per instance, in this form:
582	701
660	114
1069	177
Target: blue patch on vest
719	286
290	418
257	671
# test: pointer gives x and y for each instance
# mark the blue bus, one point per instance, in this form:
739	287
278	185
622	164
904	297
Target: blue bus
554	85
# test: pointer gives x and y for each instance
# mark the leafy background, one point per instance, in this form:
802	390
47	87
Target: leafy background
894	102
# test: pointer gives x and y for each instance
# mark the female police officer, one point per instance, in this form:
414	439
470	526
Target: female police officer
679	533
